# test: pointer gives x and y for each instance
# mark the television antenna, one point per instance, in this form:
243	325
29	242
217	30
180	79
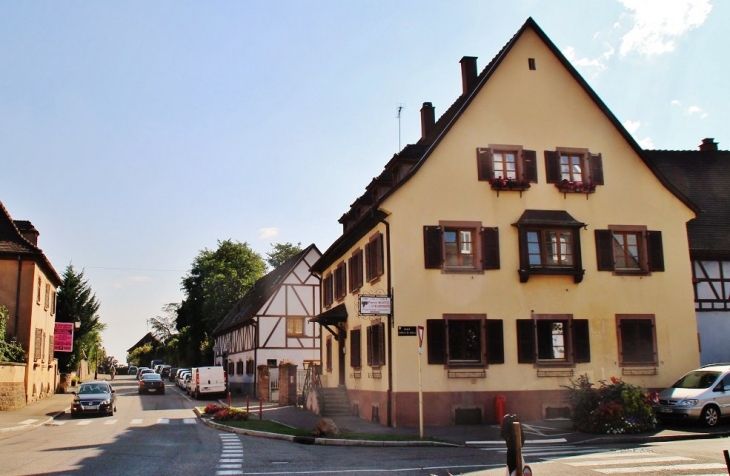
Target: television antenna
400	109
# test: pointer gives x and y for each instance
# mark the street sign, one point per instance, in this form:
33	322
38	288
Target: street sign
406	330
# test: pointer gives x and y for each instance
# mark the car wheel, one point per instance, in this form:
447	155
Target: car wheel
197	395
710	416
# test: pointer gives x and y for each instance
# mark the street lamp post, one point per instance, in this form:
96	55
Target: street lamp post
96	361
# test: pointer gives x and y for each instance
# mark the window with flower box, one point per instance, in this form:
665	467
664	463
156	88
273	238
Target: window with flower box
553	339
465	340
549	244
507	167
573	170
460	247
627	250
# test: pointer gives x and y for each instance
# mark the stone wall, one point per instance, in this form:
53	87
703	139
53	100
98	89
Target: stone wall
12	386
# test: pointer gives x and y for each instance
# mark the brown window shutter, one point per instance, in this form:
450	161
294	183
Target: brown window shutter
522	243
381	343
432	247
355	344
490	248
436	341
495	341
581	341
369	345
529	164
525	341
379	263
655	250
596	162
351	271
604	250
552	166
485	164
368	263
38	351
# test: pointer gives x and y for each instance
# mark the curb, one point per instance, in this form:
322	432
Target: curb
649	439
310	440
33	425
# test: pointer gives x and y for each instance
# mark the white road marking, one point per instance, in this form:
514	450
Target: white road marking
83	423
136	421
657	469
607	462
28	422
111	422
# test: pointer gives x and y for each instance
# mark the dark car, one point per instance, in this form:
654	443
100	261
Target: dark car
171	374
151	382
165	371
94	398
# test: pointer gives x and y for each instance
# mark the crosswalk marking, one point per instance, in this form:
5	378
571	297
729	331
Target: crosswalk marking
163	421
656	469
608	462
231	460
28	422
136	421
111	422
190	421
83	423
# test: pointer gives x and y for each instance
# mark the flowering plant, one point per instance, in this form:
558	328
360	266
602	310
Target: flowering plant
615	407
230	414
212	408
566	185
500	183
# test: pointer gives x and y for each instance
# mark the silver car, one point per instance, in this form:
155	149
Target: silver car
702	394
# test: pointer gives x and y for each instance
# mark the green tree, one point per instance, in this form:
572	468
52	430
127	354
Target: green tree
163	327
77	303
218	279
142	355
10	351
281	252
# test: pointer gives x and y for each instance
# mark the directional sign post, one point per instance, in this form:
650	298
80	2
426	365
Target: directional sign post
420	388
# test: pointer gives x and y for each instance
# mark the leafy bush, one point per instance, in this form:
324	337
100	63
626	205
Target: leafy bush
615	407
10	351
230	414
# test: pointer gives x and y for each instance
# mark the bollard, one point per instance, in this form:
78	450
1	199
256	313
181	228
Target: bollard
261	409
247	403
518	446
727	460
229	399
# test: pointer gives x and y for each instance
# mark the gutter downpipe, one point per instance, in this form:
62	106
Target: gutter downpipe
17	297
390	327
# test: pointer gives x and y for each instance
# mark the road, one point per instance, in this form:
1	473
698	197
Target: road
159	434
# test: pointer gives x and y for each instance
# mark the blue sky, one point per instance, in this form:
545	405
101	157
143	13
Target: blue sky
135	134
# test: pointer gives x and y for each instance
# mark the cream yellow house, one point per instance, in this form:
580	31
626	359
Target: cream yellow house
531	239
28	284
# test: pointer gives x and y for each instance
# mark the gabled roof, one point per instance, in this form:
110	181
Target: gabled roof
422	150
14	244
704	176
147	339
261	291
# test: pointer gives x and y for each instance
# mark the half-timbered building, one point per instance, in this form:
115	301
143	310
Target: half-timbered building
524	240
704	176
270	324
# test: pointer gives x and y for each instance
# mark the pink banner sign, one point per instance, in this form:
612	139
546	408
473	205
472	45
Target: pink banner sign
63	340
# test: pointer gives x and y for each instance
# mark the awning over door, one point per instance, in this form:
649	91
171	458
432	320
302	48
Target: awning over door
331	318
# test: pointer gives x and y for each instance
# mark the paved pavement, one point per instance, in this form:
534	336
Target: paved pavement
537	432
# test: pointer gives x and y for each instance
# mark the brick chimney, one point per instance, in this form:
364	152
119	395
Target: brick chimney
428	119
468	73
708	145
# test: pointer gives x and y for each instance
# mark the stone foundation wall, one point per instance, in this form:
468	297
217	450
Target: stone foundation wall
12	386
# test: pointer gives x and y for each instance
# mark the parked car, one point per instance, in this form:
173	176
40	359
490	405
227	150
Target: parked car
208	381
96	397
177	375
151	382
132	370
182	376
702	394
170	374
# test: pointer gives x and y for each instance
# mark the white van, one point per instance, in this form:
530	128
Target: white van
208	380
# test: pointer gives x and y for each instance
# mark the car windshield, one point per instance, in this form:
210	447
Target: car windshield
88	389
697	379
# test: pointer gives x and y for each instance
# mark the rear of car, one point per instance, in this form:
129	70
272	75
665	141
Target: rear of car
208	381
702	394
151	383
132	370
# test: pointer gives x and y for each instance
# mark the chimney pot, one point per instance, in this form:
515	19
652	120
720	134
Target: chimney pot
428	119
708	145
468	73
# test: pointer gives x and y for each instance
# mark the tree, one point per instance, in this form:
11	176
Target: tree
77	303
281	253
163	327
217	280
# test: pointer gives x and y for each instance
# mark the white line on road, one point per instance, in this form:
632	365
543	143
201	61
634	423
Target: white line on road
658	469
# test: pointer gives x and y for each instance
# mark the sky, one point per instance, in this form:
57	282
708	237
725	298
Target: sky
134	135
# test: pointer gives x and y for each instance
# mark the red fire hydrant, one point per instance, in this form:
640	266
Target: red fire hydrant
500	407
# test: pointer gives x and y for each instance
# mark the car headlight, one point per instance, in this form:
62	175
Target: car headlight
688	403
106	402
76	400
